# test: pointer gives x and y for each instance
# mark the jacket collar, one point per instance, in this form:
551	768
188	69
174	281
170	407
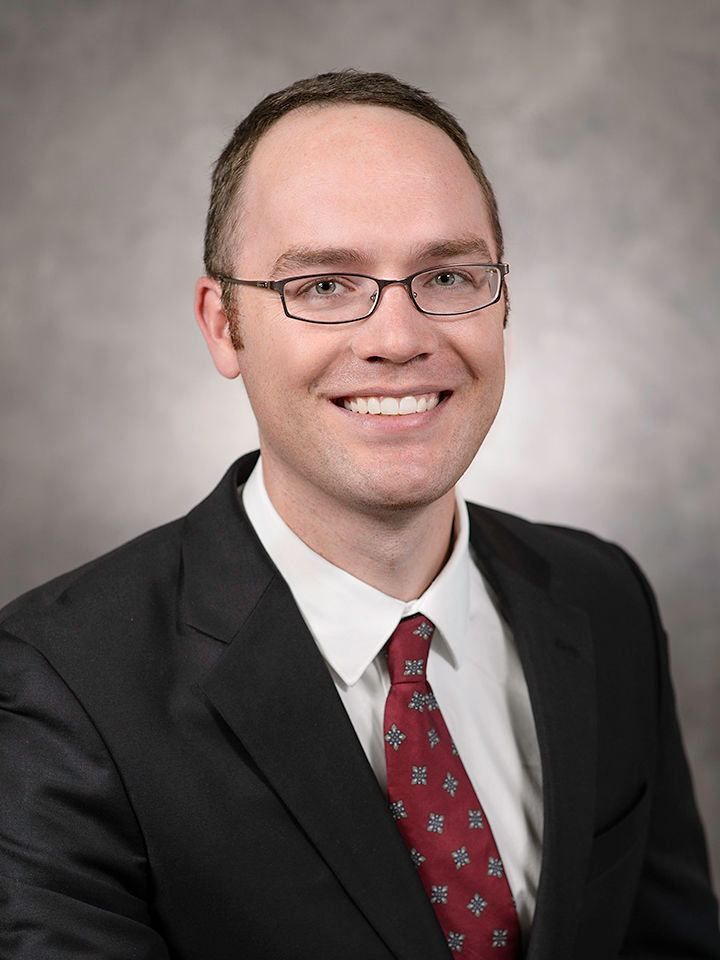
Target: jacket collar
224	566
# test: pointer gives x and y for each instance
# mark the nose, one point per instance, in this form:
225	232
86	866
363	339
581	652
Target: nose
396	331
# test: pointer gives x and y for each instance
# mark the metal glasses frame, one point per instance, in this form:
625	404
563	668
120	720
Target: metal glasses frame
279	287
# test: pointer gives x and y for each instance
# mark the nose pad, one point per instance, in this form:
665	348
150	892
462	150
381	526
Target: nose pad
377	296
397	331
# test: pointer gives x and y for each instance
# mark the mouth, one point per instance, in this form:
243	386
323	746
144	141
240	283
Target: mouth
385	406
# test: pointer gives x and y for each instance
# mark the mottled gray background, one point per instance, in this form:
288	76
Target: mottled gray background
599	125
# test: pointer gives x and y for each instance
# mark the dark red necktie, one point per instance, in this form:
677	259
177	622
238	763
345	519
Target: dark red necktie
437	811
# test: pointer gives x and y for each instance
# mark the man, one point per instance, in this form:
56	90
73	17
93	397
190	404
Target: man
210	749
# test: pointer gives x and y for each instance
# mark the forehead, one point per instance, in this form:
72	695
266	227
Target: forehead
360	175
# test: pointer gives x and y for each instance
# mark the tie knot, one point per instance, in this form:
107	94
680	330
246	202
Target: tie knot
408	649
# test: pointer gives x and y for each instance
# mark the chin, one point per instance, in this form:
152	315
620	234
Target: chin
401	492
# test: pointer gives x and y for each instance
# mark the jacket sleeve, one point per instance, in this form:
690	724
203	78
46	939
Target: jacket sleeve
675	914
73	870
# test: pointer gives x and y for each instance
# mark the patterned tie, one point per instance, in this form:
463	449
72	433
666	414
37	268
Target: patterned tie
437	811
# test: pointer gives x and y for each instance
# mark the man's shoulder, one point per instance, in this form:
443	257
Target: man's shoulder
540	535
548	539
107	586
575	563
137	595
126	581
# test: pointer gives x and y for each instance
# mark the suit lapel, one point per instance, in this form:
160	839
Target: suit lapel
555	648
273	689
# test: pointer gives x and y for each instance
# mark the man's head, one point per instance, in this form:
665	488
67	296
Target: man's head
348	86
358	188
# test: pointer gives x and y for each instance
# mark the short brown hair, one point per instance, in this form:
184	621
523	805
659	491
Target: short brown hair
346	86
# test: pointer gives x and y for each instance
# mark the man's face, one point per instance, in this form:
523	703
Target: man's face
363	189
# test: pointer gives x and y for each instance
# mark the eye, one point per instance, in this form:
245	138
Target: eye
320	287
445	279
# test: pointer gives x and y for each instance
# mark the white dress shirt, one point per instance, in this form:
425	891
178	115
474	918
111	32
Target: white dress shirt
473	668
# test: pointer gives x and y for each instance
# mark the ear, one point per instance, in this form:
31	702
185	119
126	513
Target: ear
215	327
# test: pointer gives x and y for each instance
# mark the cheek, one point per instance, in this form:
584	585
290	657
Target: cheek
282	360
484	353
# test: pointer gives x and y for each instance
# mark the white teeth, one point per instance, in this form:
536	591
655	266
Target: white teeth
392	406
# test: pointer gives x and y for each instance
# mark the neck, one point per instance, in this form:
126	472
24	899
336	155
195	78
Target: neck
399	551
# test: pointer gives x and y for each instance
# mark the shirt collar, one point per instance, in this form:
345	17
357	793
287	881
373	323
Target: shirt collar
350	620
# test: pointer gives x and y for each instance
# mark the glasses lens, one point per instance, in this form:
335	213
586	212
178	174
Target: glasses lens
330	298
457	289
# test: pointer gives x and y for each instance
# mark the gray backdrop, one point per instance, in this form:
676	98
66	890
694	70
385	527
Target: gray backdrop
597	123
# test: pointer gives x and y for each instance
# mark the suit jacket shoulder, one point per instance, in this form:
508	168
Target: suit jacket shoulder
575	566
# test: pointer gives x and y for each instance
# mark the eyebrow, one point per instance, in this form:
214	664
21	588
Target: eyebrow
306	257
460	247
298	258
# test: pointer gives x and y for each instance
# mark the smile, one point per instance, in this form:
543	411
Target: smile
392	406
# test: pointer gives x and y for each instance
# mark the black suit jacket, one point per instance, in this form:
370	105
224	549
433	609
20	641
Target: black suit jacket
180	779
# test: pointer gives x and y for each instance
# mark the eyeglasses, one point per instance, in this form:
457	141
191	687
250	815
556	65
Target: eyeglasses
444	291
